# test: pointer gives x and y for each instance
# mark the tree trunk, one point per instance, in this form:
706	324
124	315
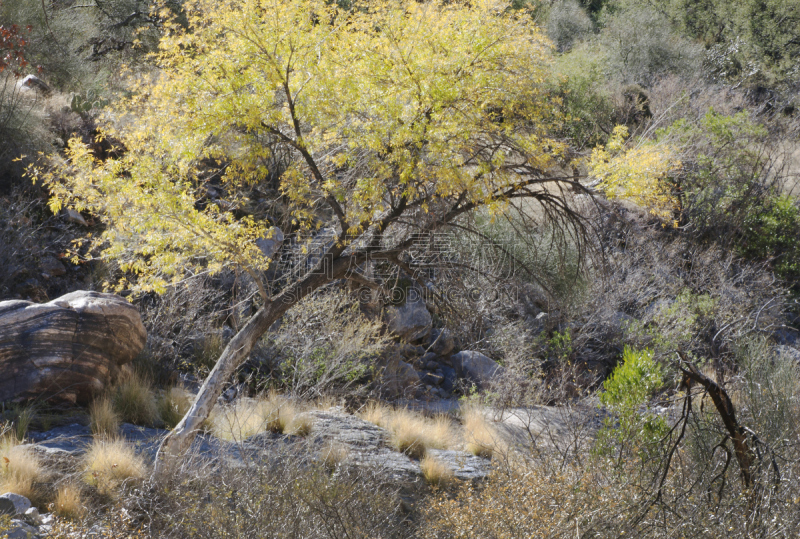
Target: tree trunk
180	439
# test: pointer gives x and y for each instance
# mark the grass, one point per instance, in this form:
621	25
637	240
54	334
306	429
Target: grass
333	454
247	417
69	502
411	433
173	405
481	439
108	464
135	401
436	472
20	468
104	419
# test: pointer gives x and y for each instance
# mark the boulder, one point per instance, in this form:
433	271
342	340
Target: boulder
476	368
441	342
13	504
410	321
66	349
32	82
21	530
271	243
399	378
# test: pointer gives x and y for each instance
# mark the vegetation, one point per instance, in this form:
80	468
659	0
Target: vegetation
599	195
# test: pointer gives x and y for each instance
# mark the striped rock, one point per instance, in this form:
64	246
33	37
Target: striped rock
66	349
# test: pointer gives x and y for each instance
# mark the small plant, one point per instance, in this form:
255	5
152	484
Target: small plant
134	400
481	439
81	104
410	433
23	420
104	419
436	472
173	405
20	468
625	392
69	502
110	463
333	454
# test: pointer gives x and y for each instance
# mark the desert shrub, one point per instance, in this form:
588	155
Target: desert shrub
110	464
286	499
630	431
642	46
324	345
567	23
104	419
134	400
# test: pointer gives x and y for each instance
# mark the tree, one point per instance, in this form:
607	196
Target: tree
398	117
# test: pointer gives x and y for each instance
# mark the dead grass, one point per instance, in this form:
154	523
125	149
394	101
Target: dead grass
135	401
436	472
69	502
272	412
411	433
20	468
104	419
481	439
110	463
333	454
173	405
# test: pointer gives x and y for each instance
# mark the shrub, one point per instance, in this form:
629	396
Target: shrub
567	23
110	464
134	400
103	418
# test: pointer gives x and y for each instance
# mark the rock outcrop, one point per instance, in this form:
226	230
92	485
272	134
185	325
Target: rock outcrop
410	321
66	349
476	367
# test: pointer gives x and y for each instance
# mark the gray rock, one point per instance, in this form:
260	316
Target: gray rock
271	243
74	216
21	530
32	517
788	352
449	378
441	342
433	379
398	378
69	348
13	504
410	321
476	367
428	358
465	466
409	350
32	82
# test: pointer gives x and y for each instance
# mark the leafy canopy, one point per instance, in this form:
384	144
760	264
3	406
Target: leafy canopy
392	108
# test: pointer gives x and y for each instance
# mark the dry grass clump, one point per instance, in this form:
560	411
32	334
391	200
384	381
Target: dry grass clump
411	433
333	454
481	438
69	502
103	418
20	468
110	463
247	417
173	405
436	472
134	400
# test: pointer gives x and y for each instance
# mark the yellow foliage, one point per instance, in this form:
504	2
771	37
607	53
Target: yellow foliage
637	174
417	101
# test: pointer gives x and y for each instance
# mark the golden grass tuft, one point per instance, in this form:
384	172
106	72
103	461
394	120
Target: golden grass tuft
173	405
20	468
410	433
436	472
246	417
134	400
481	439
110	463
104	419
69	502
333	454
